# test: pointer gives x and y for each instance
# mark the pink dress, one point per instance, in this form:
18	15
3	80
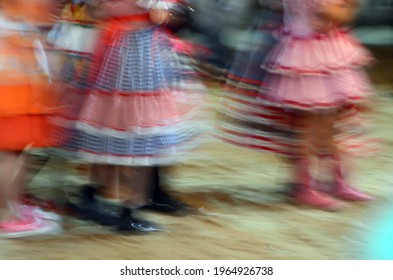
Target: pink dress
311	70
305	71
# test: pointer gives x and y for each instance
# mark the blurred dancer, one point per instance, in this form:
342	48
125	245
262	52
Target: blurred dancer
218	25
245	77
313	83
134	117
70	37
25	105
73	38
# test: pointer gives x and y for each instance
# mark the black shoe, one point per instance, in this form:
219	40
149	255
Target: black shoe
129	224
161	201
90	209
95	213
164	203
88	192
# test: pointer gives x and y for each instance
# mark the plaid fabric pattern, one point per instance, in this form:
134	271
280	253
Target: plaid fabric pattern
136	105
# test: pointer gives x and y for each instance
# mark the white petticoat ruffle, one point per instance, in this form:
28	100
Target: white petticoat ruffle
73	37
156	4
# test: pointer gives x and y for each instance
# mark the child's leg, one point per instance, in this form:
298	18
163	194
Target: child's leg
140	186
17	220
132	185
325	144
305	193
12	181
121	189
323	140
123	183
136	183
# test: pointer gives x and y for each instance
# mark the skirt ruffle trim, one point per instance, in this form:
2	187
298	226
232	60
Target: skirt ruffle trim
171	154
328	54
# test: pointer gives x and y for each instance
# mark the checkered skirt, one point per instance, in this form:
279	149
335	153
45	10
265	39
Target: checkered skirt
136	107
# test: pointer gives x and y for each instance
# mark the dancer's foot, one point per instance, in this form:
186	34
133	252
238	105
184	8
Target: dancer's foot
37	212
345	192
165	203
28	227
90	209
31	200
128	223
317	200
161	201
304	193
342	189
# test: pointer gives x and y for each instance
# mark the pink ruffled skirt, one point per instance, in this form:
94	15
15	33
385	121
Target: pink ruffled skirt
319	71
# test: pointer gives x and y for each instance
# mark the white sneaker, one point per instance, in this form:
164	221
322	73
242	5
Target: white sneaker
37	212
28	227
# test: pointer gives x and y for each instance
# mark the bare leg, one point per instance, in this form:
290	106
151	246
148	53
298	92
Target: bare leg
324	147
123	183
305	123
135	181
12	182
128	188
323	141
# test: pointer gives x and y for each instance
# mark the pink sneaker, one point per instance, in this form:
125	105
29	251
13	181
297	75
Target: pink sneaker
304	193
346	192
317	200
27	227
36	212
342	189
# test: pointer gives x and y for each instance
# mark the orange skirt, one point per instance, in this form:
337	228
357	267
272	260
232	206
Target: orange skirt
16	133
16	100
